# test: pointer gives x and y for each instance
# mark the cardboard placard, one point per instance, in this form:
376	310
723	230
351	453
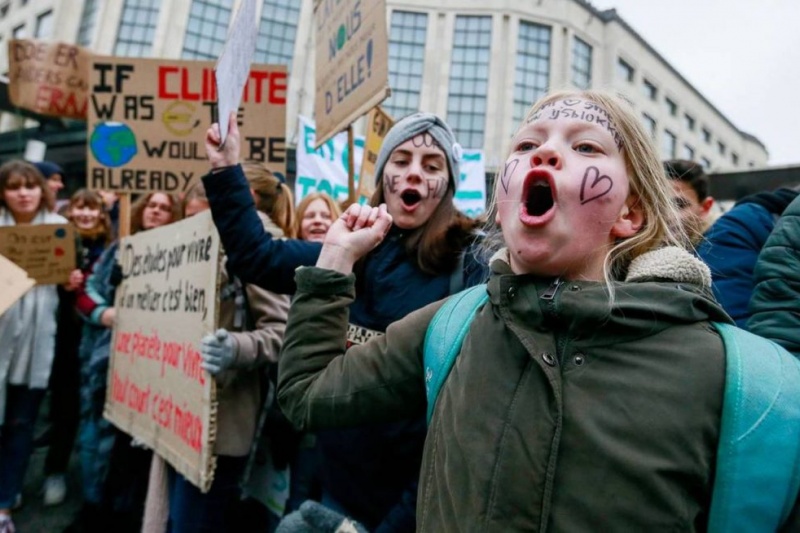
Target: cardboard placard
148	118
352	62
49	78
45	251
167	302
379	122
14	283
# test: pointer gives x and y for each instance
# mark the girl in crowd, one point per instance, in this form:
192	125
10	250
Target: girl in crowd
315	214
86	211
369	472
574	404
97	437
28	331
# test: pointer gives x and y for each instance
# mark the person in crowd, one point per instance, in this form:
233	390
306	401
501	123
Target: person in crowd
87	214
369	472
28	333
272	197
732	245
691	196
54	175
98	440
574	375
315	214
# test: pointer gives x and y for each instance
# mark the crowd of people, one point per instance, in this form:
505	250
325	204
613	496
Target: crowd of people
589	386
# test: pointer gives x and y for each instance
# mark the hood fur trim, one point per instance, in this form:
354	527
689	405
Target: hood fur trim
671	263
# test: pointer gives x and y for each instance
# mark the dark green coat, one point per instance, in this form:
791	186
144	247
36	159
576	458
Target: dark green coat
557	415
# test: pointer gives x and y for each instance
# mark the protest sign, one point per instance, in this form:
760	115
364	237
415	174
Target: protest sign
14	283
470	197
352	62
234	63
378	125
45	251
48	78
148	118
167	301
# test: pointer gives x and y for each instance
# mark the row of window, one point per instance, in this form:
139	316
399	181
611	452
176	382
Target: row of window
669	146
42	30
7	6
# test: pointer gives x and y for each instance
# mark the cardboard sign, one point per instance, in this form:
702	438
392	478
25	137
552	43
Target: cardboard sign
14	283
167	302
352	63
49	78
148	119
45	251
233	66
378	125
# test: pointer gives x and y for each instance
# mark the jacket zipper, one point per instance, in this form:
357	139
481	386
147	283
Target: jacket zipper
551	291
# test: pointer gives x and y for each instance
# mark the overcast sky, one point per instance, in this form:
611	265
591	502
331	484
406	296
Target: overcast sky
742	55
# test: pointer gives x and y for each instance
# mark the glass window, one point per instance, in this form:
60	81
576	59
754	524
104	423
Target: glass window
466	102
4	10
532	76
688	120
581	64
44	25
649	90
208	25
277	33
406	60
670	142
688	152
19	32
705	163
672	107
707	135
624	70
88	18
735	158
649	124
721	147
137	27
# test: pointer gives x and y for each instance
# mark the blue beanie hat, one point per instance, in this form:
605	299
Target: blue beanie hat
413	125
48	168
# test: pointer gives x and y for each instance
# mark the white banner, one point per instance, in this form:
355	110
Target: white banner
325	170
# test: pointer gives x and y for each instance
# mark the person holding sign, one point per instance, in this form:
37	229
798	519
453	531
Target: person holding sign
369	473
28	332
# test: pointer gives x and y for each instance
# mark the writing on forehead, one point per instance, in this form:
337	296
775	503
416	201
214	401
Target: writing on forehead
578	109
426	140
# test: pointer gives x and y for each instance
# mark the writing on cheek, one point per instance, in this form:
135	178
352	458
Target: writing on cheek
390	182
594	185
508	170
436	187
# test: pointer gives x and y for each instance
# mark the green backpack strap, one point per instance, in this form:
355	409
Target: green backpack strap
444	337
758	459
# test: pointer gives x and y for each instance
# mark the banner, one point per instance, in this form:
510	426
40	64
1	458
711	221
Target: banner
378	125
352	62
148	118
165	304
14	283
45	251
325	170
49	78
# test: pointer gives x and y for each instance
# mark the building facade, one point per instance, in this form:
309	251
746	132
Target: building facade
479	64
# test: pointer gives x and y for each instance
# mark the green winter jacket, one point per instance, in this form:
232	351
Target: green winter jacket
558	415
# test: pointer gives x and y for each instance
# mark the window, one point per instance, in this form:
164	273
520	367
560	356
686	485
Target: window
751	164
19	32
649	124
532	76
688	121
672	107
721	147
406	60
624	70
23	2
735	158
206	29
705	163
88	18
670	142
707	135
276	35
581	64
469	79
4	10
688	152
649	90
44	25
137	28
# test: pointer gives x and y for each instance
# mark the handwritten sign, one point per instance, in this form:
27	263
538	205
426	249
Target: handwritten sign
233	66
352	62
45	251
378	125
148	117
165	304
14	283
48	78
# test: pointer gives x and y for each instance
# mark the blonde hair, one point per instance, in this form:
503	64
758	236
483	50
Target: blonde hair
305	202
92	200
274	198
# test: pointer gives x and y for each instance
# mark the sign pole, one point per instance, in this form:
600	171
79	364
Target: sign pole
351	167
124	228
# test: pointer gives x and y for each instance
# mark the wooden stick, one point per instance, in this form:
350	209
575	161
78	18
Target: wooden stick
351	167
124	214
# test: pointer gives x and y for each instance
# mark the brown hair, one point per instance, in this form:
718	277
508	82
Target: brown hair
137	210
92	200
16	173
305	202
273	197
196	191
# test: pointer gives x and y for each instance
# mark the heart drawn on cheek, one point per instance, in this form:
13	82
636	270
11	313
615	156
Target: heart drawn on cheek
509	169
599	186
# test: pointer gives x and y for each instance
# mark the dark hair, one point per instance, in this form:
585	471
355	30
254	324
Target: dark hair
92	199
15	173
137	210
688	172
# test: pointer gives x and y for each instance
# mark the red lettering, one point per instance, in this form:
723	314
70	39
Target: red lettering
119	388
163	72
185	93
277	88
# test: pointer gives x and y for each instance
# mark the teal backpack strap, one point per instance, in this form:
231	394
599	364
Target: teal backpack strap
758	459
444	337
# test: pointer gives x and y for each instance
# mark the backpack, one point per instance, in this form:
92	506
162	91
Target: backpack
758	459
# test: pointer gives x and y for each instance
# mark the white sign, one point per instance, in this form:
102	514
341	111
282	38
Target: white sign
471	194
